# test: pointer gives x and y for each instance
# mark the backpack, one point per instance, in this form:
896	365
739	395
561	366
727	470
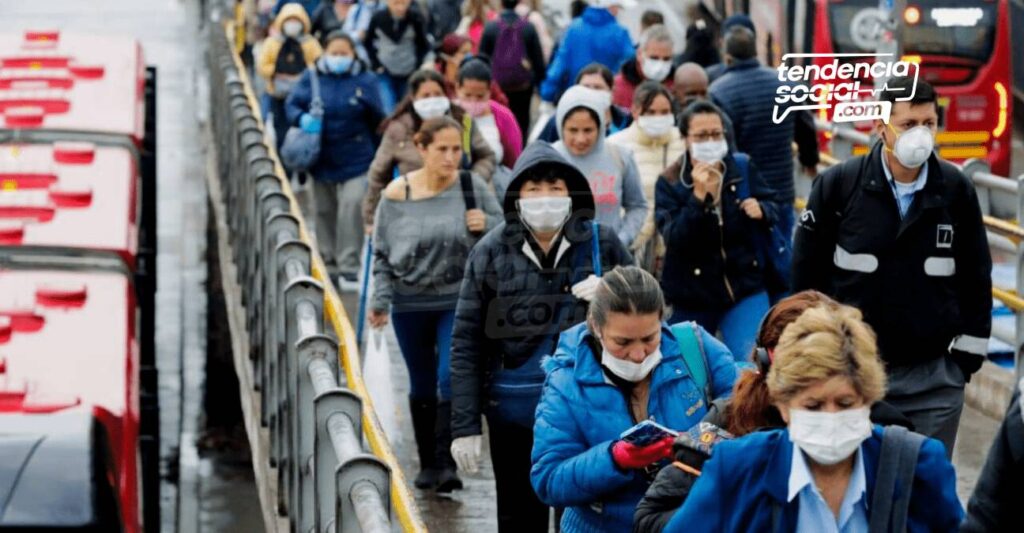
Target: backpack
774	247
509	65
693	357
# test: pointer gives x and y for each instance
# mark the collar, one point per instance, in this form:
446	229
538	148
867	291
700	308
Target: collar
528	249
916	185
800	478
658	142
753	62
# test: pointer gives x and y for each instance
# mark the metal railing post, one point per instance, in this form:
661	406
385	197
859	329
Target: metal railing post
366	480
327	403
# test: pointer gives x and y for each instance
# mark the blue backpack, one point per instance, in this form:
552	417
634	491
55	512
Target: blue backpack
774	247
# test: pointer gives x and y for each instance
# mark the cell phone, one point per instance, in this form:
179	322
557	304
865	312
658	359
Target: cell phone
646	433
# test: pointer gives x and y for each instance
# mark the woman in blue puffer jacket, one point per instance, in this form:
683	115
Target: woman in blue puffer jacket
623	366
352	112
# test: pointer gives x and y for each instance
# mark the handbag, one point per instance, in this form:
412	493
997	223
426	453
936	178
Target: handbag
301	149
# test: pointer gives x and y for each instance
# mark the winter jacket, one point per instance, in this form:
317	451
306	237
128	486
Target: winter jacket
582	413
307	5
993	506
745	478
746	92
652	157
611	170
444	17
531	41
621	119
670	489
396	47
711	256
922	282
627	80
352	112
266	65
397	149
324	19
593	37
503	287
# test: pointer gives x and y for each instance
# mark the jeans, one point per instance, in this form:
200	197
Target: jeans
425	338
392	90
738	324
339	223
280	121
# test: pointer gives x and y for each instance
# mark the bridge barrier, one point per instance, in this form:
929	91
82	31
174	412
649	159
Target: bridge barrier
302	360
1003	235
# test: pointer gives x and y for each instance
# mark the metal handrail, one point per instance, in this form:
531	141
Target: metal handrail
299	339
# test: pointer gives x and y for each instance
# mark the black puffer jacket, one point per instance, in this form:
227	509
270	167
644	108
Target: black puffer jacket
710	262
508	305
994	504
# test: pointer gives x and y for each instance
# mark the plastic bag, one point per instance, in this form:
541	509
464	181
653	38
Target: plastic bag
377	376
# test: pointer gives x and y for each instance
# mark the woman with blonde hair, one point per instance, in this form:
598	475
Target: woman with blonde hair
819	473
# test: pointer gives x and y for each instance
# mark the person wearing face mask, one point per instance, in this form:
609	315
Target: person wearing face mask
496	122
898	233
526	281
709	211
455	51
594	76
610	169
351	114
656	143
426	100
830	469
425	228
623	366
283	58
653	62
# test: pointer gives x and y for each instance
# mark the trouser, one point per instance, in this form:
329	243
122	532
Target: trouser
519	509
392	90
280	121
931	395
738	324
425	338
339	223
519	103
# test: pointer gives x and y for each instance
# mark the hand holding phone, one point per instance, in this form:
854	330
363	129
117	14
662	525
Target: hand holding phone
646	433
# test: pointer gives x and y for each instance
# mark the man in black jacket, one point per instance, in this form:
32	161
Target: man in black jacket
898	233
526	281
993	506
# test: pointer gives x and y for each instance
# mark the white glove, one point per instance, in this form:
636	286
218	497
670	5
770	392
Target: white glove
466	452
546	109
586	289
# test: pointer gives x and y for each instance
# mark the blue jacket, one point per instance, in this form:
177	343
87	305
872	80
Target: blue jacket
352	112
581	414
746	92
593	37
745	478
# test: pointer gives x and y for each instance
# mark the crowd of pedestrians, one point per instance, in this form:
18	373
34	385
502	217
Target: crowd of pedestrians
584	242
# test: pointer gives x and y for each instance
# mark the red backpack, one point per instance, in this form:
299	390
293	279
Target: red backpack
509	65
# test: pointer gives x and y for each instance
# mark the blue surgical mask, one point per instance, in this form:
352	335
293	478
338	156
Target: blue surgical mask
338	64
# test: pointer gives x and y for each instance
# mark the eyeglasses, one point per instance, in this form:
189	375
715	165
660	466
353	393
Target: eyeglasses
708	136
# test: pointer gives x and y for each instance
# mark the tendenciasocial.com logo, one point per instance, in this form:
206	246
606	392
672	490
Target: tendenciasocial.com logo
838	85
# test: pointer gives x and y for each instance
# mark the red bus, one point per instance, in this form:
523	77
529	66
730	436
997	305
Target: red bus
961	46
78	388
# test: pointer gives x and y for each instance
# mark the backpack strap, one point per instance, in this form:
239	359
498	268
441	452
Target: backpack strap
693	357
466	180
595	248
742	161
897	462
467	140
316	106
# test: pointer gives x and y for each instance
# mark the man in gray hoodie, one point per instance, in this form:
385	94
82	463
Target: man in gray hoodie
611	170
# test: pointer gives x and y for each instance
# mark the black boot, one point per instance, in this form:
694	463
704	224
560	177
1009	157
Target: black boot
424	418
448	479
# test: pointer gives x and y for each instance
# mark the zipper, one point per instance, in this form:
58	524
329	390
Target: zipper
721	247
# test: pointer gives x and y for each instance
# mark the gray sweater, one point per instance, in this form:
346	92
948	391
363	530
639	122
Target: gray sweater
420	248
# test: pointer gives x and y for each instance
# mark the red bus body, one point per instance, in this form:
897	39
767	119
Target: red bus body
72	125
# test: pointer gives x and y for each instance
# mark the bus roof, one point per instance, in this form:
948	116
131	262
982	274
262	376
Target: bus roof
69	195
72	82
66	339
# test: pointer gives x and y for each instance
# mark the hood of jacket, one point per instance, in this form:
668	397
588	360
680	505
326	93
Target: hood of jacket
292	10
579	96
598	16
541	155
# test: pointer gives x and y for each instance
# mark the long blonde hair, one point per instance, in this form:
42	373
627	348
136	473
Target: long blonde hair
825	342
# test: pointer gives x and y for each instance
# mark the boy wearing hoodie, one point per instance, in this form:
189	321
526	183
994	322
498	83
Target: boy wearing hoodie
525	282
284	56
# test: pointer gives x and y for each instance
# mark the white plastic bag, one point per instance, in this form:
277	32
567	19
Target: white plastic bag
377	376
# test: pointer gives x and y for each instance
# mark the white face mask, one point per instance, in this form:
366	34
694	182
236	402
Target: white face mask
913	146
656	125
628	370
709	151
828	438
656	69
544	214
433	107
292	28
